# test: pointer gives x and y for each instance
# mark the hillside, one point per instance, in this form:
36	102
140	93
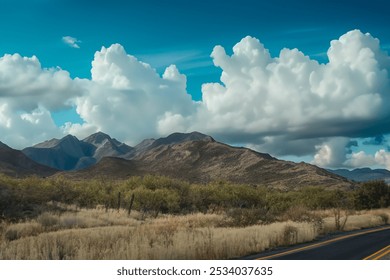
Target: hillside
69	153
15	163
193	157
205	160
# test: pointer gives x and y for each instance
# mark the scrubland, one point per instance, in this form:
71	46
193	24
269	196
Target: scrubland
159	218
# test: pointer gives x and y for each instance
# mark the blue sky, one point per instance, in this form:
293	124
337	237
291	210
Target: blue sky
184	33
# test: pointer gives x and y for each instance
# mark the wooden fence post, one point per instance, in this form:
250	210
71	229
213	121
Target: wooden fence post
119	201
131	204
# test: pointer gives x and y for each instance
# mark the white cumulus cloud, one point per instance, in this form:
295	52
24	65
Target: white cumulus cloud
332	153
360	159
28	93
380	159
280	103
127	98
383	158
20	130
284	105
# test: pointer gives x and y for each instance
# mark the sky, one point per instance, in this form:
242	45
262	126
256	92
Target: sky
300	80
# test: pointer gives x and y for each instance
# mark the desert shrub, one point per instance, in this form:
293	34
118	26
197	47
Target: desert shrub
6	201
166	230
70	222
290	235
242	217
3	227
372	195
315	198
11	234
199	220
48	220
155	201
299	213
29	197
63	190
20	230
384	217
280	201
202	197
162	182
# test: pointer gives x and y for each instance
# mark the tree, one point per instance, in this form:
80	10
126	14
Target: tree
371	195
342	205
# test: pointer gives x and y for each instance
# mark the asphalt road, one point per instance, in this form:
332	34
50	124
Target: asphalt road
352	246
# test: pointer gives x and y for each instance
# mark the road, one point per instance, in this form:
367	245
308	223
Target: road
363	244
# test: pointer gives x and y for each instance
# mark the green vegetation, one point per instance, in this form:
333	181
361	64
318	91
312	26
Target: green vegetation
153	195
372	195
160	218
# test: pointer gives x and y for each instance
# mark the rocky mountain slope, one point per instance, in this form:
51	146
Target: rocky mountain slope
193	157
198	158
69	153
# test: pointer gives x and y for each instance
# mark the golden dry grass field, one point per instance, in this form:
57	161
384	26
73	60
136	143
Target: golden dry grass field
110	234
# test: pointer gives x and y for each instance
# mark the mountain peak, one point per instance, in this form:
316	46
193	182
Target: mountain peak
194	158
195	135
178	137
48	143
97	138
69	137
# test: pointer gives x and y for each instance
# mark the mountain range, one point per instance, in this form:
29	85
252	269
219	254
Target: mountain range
69	153
364	174
194	157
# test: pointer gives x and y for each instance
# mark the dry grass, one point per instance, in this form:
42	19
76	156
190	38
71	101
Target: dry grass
86	218
100	234
155	241
357	220
97	234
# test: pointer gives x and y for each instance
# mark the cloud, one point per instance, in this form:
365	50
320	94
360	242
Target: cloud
284	105
128	98
383	158
71	41
331	153
28	93
359	159
20	130
24	84
377	140
336	154
294	99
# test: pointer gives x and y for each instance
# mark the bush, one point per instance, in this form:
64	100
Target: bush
242	217
48	220
20	230
372	195
384	217
11	234
290	235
